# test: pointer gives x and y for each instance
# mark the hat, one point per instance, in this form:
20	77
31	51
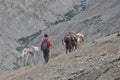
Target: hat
45	35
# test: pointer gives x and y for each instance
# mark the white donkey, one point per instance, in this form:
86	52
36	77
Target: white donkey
80	39
30	53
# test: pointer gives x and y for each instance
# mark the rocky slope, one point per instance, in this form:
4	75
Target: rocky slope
21	23
98	60
101	18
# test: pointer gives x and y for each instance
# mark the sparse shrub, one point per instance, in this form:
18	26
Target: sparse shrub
67	16
20	48
26	40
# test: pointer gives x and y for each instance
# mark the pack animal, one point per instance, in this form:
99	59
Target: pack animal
30	53
80	39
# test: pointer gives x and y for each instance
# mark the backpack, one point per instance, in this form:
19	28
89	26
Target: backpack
45	45
32	53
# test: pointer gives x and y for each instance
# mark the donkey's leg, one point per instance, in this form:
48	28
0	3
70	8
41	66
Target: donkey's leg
27	60
79	45
65	47
33	58
21	62
24	61
37	56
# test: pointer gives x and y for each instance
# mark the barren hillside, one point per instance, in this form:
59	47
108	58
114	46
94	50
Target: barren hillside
101	18
23	22
98	60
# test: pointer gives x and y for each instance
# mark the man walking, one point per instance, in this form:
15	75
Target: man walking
45	46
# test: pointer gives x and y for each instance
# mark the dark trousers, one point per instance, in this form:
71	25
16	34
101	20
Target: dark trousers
46	55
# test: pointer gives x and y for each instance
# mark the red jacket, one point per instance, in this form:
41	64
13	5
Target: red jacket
49	43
